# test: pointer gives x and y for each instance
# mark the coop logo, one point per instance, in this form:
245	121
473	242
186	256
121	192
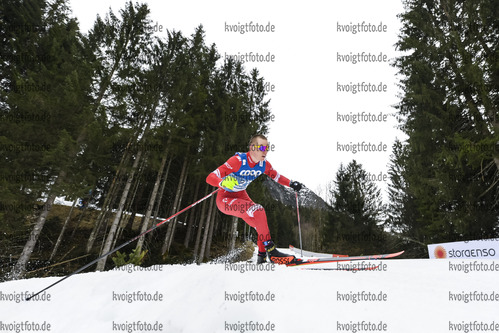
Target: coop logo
250	173
440	252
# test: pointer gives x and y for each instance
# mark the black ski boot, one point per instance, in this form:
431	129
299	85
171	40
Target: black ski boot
261	257
276	256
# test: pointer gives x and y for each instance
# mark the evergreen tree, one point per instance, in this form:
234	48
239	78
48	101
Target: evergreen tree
356	216
449	111
55	87
402	213
105	99
21	30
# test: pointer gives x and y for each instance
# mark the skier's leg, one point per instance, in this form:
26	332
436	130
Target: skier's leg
240	204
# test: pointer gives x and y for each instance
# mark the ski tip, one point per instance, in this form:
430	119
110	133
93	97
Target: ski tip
394	254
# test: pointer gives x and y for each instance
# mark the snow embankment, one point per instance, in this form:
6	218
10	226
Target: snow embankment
401	296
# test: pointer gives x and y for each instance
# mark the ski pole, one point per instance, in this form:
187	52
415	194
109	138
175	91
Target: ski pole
299	226
124	244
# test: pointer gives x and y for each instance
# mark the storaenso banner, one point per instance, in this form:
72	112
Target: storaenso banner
475	249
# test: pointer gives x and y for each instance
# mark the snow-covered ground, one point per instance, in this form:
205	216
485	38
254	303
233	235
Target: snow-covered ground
403	296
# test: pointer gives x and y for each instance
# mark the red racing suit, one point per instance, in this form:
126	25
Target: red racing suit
237	202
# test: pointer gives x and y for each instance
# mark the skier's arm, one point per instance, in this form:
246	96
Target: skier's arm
269	171
232	165
275	176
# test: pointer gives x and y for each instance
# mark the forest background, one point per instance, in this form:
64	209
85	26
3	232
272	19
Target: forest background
127	125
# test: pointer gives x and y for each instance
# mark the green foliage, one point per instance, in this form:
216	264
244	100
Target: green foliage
356	216
445	175
90	103
41	85
136	258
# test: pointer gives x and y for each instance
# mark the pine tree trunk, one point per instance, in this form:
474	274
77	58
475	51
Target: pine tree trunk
152	199
213	225
110	198
159	198
61	234
202	218
126	218
114	226
233	234
160	194
244	232
96	228
20	267
172	224
191	218
80	218
206	232
141	132
104	85
178	205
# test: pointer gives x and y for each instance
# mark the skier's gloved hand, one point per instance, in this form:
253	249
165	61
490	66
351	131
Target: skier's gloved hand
229	182
296	186
238	187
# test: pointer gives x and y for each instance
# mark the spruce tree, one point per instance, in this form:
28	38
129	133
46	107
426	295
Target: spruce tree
448	111
357	213
56	86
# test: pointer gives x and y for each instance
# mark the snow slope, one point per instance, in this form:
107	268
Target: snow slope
405	296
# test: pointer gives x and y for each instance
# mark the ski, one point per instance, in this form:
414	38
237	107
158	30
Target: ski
315	254
300	262
352	269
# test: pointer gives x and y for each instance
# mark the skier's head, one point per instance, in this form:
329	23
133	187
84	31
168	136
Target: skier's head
258	147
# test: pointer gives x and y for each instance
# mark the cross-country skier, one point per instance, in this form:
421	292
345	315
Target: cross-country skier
233	177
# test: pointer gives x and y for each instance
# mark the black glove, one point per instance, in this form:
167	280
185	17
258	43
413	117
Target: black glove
295	186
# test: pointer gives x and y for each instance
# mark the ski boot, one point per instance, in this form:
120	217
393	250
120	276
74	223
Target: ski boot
261	258
276	256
